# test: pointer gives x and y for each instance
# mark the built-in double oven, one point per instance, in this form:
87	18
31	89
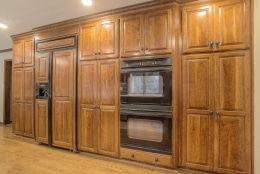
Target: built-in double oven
146	104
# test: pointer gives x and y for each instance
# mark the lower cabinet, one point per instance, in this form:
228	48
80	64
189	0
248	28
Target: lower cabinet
217	119
98	120
41	121
147	157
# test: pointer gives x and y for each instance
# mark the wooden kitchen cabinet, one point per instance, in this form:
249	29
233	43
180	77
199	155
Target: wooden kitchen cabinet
146	33
99	40
23	51
98	121
42	67
217	112
64	99
23	101
223	25
41	121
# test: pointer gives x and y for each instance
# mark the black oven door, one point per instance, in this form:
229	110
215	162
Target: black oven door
146	85
147	131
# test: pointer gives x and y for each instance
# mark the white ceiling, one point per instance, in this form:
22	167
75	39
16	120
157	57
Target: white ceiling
23	15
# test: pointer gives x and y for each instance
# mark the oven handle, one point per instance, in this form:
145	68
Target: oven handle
145	69
147	113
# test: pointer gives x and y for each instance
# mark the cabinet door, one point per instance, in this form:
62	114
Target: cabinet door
132	35
28	99
41	121
198	120
197	28
17	53
158	32
28	56
63	99
108	40
17	100
232	24
88	41
233	104
87	102
108	76
42	67
108	130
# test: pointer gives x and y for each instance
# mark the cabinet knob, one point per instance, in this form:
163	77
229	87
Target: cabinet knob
142	48
211	112
211	44
133	155
217	43
156	159
218	113
146	48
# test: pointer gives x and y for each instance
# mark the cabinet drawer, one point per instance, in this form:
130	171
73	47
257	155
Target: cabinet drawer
147	157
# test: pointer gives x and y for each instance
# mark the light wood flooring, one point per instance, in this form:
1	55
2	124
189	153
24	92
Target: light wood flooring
20	155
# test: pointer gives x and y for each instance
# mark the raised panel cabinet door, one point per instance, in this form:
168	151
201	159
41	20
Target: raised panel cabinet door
197	28
158	32
87	128
28	99
17	53
108	45
108	131
132	35
88	41
17	118
233	142
63	99
108	78
17	85
41	121
198	111
232	25
28	56
42	67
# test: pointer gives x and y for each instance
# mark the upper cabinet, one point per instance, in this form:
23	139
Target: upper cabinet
23	51
99	40
224	25
146	33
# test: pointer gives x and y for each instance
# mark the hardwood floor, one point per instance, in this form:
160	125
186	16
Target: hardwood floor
24	156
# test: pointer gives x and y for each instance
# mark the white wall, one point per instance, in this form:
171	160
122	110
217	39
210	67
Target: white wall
3	56
257	85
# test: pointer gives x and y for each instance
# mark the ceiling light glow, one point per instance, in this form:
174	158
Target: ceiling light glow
3	26
87	2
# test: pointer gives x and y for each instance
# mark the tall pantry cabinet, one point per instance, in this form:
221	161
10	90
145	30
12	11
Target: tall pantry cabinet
216	134
98	88
23	85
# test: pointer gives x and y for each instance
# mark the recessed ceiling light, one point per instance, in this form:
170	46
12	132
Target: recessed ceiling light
87	2
3	26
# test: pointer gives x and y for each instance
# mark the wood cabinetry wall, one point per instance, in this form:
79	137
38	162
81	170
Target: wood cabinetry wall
209	42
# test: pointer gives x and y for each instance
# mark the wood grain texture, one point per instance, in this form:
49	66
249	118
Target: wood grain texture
63	99
54	44
42	67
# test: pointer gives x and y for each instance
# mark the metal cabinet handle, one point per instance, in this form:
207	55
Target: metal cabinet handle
133	155
211	112
218	113
146	48
97	107
211	44
217	44
142	48
156	159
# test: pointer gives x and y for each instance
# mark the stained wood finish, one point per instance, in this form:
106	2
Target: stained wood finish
63	99
42	67
146	34
7	90
23	101
216	27
198	124
99	40
148	157
87	102
41	121
233	102
60	43
224	133
98	121
23	52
